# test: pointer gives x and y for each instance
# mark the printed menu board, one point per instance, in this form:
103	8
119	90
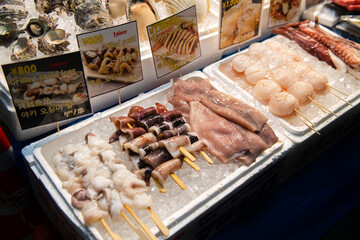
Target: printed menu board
111	58
48	90
174	41
239	21
283	11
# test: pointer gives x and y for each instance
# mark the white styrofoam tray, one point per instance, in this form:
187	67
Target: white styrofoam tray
205	188
340	80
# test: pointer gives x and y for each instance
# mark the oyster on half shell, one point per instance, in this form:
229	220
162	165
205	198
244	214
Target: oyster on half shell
23	49
54	41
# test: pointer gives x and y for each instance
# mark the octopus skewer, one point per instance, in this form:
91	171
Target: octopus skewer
100	184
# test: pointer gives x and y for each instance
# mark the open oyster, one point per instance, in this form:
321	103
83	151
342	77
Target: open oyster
23	49
9	32
54	41
91	14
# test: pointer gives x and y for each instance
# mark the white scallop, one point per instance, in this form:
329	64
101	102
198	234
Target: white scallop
285	77
283	103
255	73
316	79
241	62
301	90
265	88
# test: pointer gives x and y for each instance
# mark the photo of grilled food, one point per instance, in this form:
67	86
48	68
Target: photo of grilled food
116	60
176	42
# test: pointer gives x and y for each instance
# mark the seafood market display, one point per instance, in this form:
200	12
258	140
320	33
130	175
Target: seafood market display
323	45
289	82
99	183
152	137
38	25
230	128
240	23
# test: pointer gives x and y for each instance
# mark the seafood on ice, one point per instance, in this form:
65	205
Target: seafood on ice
99	183
24	48
278	76
152	138
12	11
54	41
231	129
240	23
91	14
347	50
118	60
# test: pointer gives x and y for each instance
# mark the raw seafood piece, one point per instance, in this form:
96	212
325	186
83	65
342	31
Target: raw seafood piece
283	103
144	14
224	141
23	49
265	88
91	14
162	171
301	90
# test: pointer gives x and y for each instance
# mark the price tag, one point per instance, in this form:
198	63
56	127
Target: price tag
48	90
174	41
239	21
111	58
283	11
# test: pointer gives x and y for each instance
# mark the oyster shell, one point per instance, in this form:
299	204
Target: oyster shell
91	15
9	32
48	6
12	10
117	8
23	49
175	6
54	41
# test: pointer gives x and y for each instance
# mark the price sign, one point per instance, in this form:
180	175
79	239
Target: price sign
48	90
174	41
283	11
111	58
239	21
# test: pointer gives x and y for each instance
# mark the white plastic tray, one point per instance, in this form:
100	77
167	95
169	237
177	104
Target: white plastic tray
340	80
205	188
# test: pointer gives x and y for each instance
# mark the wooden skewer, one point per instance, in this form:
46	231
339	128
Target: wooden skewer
180	72
158	222
307	124
336	89
119	97
186	153
137	230
297	111
191	164
207	158
321	106
178	181
128	124
113	235
340	98
161	188
317	105
58	127
143	226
